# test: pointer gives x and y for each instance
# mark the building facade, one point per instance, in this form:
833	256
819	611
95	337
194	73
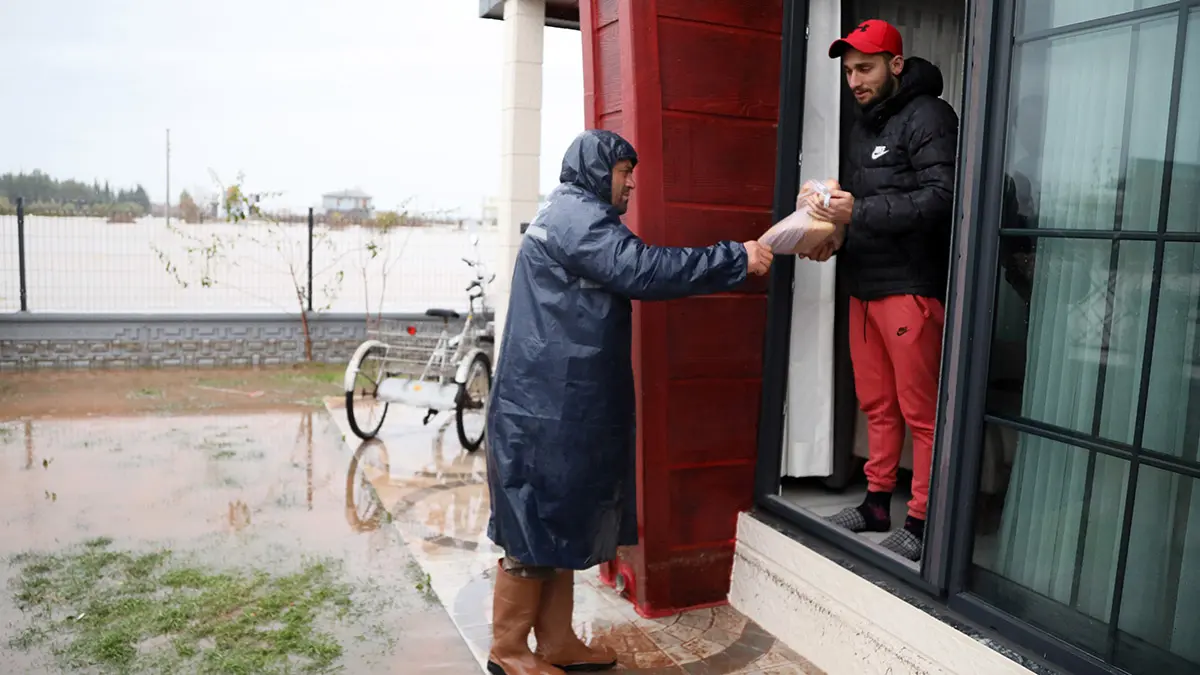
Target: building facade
1061	534
349	203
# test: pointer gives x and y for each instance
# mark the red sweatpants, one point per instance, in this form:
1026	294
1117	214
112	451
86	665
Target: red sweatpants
896	349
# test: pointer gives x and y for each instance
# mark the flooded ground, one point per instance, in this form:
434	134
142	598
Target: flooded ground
217	499
229	522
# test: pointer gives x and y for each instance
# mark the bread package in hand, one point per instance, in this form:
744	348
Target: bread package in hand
800	233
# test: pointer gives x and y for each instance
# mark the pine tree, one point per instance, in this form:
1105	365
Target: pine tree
140	197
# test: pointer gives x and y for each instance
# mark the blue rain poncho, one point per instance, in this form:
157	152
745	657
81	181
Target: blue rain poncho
561	417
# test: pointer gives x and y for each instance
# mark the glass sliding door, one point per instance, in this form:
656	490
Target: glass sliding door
1088	524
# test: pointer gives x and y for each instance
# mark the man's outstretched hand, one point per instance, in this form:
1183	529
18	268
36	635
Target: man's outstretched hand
759	258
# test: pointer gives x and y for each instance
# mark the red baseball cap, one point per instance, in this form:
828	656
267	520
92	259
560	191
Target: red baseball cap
872	36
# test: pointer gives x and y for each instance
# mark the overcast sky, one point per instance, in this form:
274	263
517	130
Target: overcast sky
400	98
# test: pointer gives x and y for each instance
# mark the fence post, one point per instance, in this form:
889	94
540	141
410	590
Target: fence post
21	252
310	258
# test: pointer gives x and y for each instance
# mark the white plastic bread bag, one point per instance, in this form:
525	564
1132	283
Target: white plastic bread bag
800	233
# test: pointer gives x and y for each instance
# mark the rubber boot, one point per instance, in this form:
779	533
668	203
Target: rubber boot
556	640
514	611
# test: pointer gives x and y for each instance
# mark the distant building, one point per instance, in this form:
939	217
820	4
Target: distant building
491	210
349	203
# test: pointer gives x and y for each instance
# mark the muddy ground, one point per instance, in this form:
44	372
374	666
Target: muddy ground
227	493
166	391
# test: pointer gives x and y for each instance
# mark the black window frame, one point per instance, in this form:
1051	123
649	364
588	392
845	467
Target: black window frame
974	414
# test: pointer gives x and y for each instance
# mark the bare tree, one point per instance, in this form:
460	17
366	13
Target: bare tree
378	248
209	252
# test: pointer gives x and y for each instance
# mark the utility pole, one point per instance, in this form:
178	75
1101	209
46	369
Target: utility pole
168	201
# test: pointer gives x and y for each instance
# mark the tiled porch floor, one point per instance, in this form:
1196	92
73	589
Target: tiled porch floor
434	493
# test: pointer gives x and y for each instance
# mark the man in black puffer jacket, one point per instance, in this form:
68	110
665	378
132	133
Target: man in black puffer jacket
893	221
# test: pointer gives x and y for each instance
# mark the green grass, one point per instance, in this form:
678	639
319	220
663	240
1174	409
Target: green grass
128	612
314	377
423	582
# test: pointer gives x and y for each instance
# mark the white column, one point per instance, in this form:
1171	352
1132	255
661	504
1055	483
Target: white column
521	139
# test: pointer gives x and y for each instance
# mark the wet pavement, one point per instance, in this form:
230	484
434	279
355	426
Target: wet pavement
258	491
437	495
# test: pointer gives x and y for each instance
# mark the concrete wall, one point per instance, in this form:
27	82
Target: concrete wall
32	341
846	624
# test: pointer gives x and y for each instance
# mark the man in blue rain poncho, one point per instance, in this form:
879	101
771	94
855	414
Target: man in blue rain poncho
560	421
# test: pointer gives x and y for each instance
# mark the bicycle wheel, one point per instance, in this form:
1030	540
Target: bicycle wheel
469	415
364	410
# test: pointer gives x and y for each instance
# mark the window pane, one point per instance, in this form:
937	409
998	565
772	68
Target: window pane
1173	397
1065	326
1036	15
1047	533
1184	212
1162	576
1089	129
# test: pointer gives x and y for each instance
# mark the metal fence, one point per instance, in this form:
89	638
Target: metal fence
96	265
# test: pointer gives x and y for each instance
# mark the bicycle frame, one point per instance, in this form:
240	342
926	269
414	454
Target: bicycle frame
462	343
445	368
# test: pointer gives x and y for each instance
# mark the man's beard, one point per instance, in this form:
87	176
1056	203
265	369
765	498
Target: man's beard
885	92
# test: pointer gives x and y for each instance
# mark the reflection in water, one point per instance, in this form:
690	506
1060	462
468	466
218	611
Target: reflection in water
306	429
248	492
444	496
364	510
239	515
28	444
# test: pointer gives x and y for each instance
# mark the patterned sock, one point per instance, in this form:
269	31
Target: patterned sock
876	511
873	515
916	526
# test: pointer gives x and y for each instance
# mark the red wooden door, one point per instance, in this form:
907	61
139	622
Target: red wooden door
695	87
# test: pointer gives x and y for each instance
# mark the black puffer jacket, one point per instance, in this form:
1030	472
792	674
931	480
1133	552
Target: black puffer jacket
899	165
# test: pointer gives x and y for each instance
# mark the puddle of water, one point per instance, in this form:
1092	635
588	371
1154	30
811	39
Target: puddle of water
256	492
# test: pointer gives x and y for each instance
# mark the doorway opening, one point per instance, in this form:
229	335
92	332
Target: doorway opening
825	447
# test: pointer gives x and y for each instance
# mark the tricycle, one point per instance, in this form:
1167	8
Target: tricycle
401	363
